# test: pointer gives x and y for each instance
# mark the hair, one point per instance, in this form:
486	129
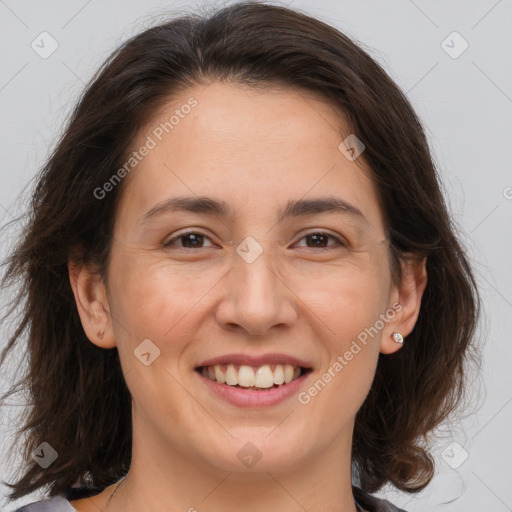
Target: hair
77	394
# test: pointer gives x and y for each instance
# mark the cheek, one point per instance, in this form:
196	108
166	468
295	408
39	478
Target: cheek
155	300
352	351
347	299
350	307
151	302
158	300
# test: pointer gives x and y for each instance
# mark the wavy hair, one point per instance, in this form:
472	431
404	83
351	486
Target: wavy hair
78	399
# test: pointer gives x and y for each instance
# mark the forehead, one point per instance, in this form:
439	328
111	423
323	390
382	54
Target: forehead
254	149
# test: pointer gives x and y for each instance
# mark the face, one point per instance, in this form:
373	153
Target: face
278	275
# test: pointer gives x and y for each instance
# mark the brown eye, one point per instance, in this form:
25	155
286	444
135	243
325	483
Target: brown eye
190	240
320	240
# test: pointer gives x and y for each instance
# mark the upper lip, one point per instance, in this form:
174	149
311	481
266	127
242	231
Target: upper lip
253	360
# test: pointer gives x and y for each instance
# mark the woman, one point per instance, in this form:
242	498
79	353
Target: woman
242	284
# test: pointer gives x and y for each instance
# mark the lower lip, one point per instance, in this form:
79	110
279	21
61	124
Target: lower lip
252	398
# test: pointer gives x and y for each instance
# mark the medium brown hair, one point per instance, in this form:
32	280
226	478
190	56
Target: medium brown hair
79	402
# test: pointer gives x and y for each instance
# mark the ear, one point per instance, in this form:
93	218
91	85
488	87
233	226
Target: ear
406	302
92	304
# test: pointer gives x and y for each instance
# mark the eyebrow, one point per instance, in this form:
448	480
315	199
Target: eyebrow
294	208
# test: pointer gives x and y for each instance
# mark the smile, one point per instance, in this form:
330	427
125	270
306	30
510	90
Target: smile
268	376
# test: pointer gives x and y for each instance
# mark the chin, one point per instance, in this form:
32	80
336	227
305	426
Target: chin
253	450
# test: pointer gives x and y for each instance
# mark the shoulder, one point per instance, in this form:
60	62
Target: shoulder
55	504
373	504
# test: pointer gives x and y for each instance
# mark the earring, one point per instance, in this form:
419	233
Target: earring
398	337
100	335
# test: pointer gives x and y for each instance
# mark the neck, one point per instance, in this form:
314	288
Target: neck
163	480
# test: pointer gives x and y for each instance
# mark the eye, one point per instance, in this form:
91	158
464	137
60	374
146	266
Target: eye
193	238
318	239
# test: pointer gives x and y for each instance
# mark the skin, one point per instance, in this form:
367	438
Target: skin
255	150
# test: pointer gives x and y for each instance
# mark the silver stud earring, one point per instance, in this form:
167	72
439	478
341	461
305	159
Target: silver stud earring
398	337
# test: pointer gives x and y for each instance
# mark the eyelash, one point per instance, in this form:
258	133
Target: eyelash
338	240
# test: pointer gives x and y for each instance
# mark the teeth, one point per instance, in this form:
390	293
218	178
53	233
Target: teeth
288	373
264	377
279	374
249	377
246	376
219	375
231	376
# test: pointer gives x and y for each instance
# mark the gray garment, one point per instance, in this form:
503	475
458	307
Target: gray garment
365	501
55	504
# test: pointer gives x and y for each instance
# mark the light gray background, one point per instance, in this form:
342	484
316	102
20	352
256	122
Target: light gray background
465	104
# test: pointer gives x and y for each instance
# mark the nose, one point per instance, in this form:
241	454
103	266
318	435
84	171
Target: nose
256	298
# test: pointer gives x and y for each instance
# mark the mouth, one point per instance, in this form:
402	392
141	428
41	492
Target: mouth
253	378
